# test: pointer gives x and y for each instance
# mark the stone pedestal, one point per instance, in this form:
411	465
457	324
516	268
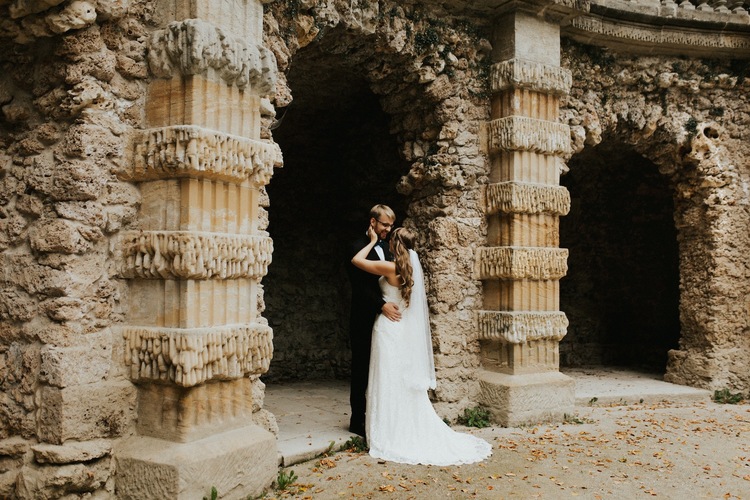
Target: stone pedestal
521	326
515	400
236	463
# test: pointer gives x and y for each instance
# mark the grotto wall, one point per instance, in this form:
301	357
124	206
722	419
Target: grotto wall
689	117
136	143
70	90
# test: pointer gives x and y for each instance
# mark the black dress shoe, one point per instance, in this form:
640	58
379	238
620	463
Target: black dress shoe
358	429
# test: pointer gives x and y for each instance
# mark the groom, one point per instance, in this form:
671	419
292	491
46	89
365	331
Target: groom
367	303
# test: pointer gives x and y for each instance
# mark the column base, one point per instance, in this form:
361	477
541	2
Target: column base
238	463
515	400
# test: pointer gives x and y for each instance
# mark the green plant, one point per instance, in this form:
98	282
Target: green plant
475	417
691	126
284	480
329	450
214	494
725	396
356	444
426	39
593	400
575	419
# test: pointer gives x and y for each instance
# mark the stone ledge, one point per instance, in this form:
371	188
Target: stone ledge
517	263
520	133
526	198
192	255
192	151
518	327
707	39
188	357
71	452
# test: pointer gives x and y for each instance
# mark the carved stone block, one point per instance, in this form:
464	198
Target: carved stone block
518	327
522	197
531	75
191	151
515	263
522	133
188	357
192	255
185	414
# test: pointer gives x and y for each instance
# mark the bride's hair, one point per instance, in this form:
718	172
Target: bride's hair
402	241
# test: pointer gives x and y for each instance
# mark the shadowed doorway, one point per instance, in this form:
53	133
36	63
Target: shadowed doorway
339	160
621	293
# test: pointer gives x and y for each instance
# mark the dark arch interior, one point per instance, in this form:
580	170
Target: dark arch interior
339	161
621	293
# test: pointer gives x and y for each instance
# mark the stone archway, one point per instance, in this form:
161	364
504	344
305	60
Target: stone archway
621	293
429	73
651	105
339	161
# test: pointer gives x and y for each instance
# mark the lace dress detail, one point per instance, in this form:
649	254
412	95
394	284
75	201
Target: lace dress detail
402	426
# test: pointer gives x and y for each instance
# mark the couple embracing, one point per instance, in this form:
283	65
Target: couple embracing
392	361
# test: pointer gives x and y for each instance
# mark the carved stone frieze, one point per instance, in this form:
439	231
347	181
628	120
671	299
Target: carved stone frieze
193	46
517	263
191	151
518	73
526	198
193	255
514	327
188	357
670	39
519	133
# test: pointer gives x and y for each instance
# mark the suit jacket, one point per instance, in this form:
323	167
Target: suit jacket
367	299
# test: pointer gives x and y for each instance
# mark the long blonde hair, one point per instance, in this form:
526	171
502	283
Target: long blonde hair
402	240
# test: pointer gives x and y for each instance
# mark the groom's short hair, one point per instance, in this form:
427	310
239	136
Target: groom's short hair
379	211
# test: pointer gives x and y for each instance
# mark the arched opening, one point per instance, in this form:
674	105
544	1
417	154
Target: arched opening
621	293
339	160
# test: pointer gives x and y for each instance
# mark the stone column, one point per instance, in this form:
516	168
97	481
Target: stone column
195	340
521	326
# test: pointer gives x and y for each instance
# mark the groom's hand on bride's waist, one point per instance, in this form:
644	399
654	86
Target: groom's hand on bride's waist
391	311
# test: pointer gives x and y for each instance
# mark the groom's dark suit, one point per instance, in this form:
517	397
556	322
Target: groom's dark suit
367	302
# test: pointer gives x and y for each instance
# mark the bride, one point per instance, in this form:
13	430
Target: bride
401	424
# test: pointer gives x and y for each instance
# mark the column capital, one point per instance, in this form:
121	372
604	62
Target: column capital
195	47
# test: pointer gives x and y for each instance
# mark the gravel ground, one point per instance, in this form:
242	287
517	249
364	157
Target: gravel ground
675	451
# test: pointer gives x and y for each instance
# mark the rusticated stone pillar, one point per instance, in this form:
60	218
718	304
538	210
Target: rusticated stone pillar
195	340
521	326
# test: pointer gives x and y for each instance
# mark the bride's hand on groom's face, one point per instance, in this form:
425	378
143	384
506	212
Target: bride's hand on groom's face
372	234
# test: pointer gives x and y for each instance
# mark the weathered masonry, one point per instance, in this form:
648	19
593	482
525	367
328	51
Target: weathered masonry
576	172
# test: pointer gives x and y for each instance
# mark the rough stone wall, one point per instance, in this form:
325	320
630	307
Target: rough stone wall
430	70
70	89
690	118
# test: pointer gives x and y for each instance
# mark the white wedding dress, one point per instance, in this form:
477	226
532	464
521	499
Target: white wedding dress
401	423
